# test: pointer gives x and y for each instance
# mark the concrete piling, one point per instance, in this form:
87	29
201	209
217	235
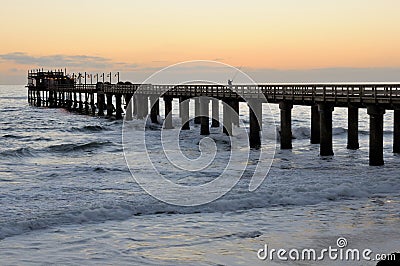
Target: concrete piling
168	112
255	110
375	113
204	112
315	125
155	109
352	128
325	112
215	113
184	108
286	124
396	130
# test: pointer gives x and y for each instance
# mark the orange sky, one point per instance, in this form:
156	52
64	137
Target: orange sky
129	35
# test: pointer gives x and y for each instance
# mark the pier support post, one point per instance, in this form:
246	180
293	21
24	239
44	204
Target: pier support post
255	110
215	113
205	114
92	104
63	104
47	98
315	125
168	112
142	103
51	99
110	107
227	118
38	99
87	103
69	101
56	99
184	108
325	112
235	107
197	111
80	103
118	107
34	98
375	113
100	103
155	109
396	130
128	108
75	101
286	125
61	99
135	109
352	128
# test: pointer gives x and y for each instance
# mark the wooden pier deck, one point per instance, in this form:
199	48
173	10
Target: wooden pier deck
57	89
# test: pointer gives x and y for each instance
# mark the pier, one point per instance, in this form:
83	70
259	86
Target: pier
56	89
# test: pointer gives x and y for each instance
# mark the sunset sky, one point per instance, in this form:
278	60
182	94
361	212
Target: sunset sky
272	40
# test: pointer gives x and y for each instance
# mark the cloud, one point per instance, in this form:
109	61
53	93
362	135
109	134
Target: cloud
59	60
127	66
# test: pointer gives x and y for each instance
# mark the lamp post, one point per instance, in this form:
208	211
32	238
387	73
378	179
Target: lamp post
91	78
117	75
80	78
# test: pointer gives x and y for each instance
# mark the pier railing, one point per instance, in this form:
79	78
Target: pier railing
388	94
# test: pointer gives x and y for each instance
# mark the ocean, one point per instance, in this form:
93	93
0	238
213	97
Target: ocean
67	196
